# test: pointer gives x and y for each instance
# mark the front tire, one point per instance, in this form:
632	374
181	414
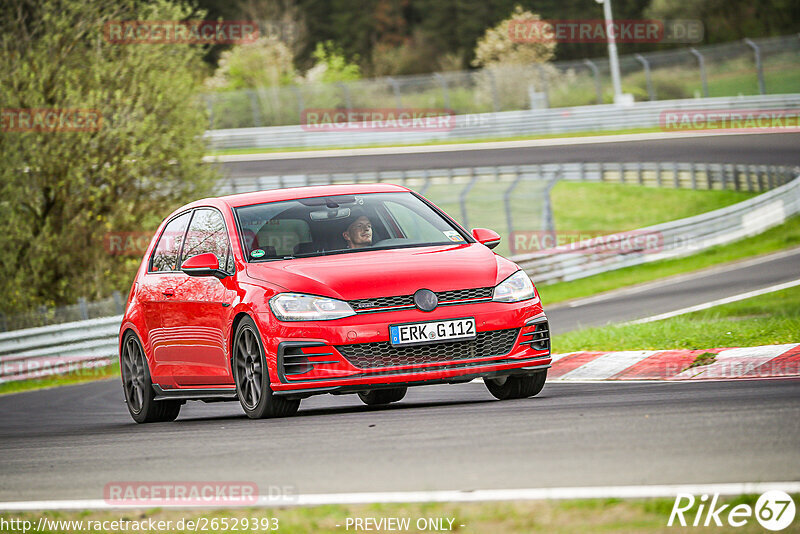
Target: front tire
516	386
138	387
376	397
252	376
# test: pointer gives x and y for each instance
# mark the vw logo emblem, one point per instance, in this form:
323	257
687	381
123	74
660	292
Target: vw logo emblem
426	300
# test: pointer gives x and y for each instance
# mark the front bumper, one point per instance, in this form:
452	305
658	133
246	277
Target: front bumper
337	356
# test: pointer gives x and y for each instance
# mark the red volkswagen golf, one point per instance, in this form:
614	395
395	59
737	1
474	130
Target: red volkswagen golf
274	296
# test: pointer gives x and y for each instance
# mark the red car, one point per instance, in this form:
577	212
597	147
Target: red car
273	296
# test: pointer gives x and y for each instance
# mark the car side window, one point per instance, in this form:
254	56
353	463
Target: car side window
165	255
207	233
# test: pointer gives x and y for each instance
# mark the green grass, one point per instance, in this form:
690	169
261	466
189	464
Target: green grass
588	133
618	207
76	377
781	237
707	358
765	320
505	517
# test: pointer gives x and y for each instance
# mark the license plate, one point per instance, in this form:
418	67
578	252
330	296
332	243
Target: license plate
432	331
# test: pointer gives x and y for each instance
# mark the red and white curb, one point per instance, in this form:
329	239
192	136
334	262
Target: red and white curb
768	361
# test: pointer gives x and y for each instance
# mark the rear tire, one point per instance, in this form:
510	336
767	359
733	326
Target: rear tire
138	387
376	397
516	387
251	375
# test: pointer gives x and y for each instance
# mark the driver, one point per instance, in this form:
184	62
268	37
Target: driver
359	233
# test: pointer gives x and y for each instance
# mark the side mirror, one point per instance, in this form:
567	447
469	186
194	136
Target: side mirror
487	237
203	265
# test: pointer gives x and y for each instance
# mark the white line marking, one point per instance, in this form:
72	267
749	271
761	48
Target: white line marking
718	302
524	494
674	279
493	145
607	365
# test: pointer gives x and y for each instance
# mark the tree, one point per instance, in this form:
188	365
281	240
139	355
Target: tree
62	192
497	47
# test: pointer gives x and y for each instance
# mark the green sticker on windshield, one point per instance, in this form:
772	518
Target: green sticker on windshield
257	253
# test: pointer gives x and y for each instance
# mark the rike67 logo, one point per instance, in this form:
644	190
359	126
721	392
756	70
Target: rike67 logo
774	510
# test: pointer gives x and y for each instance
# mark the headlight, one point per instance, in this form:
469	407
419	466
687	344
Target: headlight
297	307
515	288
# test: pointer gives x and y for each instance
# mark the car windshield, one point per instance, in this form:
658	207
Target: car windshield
341	223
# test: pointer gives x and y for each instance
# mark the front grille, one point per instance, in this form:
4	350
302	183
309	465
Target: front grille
464	294
382	302
383	354
408	300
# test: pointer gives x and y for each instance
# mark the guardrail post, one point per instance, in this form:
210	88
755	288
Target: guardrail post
647	75
639	173
427	181
346	93
759	67
596	74
507	204
701	62
547	216
709	178
676	176
254	107
462	198
83	308
210	108
693	176
493	85
545	85
736	178
445	93
658	174
396	89
582	170
300	105
118	304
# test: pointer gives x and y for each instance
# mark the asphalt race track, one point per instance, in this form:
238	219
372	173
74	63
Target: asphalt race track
767	149
69	442
675	293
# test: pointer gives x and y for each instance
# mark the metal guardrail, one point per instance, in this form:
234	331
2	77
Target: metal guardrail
517	197
676	238
492	125
81	311
54	349
759	66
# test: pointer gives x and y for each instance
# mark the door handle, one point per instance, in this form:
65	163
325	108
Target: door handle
168	292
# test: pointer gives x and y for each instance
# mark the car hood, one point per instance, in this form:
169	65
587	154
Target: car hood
371	274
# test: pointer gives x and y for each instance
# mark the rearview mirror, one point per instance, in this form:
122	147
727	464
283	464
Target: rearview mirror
487	237
203	265
330	214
